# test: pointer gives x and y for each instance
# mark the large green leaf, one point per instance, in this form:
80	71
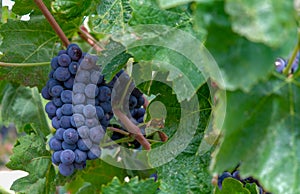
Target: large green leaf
173	3
112	16
69	9
30	155
22	106
134	186
261	131
231	185
264	21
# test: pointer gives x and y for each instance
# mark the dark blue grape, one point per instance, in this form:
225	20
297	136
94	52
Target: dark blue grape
67	109
66	170
66	96
104	122
222	177
67	157
82	76
96	77
54	63
45	93
64	60
91	90
80	156
69	83
236	175
78	98
56	90
62	74
57	101
99	112
67	146
136	92
78	108
104	93
52	82
65	122
50	108
70	136
89	111
58	113
74	52
73	67
140	112
78	88
56	156
55	123
132	101
106	106
79	120
55	144
84	144
280	64
140	120
154	175
96	134
59	133
94	152
83	132
54	161
61	52
88	62
50	75
141	101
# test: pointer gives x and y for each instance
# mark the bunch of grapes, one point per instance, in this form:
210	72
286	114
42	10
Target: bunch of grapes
80	108
281	63
236	175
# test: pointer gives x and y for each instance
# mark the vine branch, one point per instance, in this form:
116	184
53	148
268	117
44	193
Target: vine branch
3	64
85	35
52	22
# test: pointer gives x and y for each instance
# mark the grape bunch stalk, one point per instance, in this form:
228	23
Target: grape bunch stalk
80	108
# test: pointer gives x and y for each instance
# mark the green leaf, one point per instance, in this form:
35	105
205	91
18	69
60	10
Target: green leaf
261	131
245	62
264	21
23	106
112	16
252	187
173	3
232	186
23	7
134	186
30	155
69	9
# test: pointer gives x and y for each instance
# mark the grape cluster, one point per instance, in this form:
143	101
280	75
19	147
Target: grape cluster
80	108
281	63
236	175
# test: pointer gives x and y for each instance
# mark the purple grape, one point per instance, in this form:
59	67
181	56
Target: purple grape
74	52
104	93
66	170
64	60
84	144
80	156
73	67
89	111
59	133
54	63
67	146
45	93
55	144
66	96
62	74
70	136
83	132
67	109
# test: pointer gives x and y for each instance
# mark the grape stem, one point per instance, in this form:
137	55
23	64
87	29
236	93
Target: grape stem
85	35
133	129
118	131
52	22
294	55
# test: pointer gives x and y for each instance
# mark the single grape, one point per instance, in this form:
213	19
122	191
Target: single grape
59	133
61	52
140	120
58	113
96	134
66	96
70	136
89	111
55	123
280	64
222	177
79	120
78	98
104	122
54	63
69	83
140	112
154	175
88	62
45	93
66	170
99	112
73	67
65	122
74	52
136	92
67	109
94	152
78	108
141	101
62	74
91	90
91	122
67	146
104	93
132	101
57	101
84	144
80	156
83	132
52	82
96	77
56	156
106	106
64	60
82	76
50	108
54	161
67	157
55	144
78	88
